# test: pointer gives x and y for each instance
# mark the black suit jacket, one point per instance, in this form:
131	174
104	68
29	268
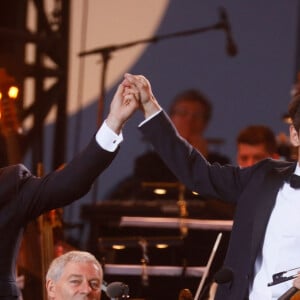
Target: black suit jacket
252	189
24	197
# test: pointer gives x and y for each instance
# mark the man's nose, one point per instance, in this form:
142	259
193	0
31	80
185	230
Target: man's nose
85	287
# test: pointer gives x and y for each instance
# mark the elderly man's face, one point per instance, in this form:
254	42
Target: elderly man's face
79	281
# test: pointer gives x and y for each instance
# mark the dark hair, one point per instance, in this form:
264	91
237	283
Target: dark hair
195	96
258	134
294	111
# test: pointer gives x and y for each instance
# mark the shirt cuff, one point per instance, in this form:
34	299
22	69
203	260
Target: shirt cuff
107	138
149	118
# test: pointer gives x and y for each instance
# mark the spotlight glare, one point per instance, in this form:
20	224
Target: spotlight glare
118	247
160	191
162	246
13	92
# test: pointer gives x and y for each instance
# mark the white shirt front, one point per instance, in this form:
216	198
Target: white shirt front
281	247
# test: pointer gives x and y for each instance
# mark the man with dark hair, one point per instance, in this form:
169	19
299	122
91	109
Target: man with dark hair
255	143
265	237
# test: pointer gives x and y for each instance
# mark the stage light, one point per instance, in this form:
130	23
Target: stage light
120	243
8	87
162	246
13	92
118	247
160	191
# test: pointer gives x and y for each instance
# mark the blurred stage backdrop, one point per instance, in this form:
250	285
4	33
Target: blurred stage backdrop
177	45
253	86
246	67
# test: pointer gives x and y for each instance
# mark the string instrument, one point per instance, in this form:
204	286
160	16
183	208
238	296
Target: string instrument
296	296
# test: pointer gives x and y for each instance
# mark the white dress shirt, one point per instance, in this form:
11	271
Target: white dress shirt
281	247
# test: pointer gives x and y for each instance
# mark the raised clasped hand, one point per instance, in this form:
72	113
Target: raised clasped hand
142	87
125	102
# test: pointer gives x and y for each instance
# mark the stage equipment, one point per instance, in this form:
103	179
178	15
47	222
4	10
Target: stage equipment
141	242
153	222
116	290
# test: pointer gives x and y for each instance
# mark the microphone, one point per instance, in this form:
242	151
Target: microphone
116	290
288	294
223	276
231	47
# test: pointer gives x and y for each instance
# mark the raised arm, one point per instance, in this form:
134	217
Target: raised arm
64	186
188	165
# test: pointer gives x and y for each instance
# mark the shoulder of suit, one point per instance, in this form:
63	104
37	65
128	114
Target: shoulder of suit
23	171
15	170
274	164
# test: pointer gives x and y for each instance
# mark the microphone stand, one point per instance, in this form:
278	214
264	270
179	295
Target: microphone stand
145	261
106	51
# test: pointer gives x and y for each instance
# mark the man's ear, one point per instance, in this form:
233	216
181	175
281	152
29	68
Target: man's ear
294	136
50	287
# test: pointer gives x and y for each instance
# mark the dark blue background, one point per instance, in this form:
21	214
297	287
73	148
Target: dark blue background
249	88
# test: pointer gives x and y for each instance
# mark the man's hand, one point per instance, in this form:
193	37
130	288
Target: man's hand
125	102
148	103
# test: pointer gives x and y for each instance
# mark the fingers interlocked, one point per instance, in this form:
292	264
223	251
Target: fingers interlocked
131	94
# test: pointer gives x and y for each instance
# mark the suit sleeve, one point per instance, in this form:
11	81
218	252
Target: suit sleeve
189	166
62	187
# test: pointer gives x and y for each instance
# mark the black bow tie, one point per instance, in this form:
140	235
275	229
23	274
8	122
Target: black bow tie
295	181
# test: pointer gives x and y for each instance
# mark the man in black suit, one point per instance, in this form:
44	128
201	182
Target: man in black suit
23	197
265	237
